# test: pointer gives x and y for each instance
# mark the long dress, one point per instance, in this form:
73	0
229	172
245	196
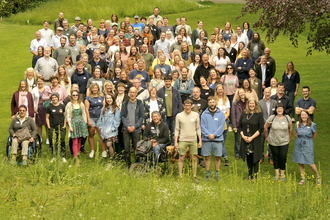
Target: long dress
41	116
78	124
304	146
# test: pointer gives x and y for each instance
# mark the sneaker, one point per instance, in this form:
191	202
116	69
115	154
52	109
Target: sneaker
217	178
53	160
47	141
104	154
91	154
207	178
202	164
293	120
64	160
226	162
230	129
24	163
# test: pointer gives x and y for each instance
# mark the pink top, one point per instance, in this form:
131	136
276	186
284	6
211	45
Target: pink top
230	83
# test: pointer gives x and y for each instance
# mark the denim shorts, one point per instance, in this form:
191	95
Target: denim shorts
209	146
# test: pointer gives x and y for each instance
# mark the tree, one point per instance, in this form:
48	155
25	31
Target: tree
293	17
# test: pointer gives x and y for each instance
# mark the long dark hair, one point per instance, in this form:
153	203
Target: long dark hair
107	106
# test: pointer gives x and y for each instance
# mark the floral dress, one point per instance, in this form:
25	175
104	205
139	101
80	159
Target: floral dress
78	124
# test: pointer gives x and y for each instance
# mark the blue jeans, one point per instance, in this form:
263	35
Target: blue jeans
224	150
157	149
170	121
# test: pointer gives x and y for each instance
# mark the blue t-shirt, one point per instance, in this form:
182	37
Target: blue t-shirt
95	106
138	26
143	76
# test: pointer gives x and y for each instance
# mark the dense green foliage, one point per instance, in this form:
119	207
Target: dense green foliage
10	7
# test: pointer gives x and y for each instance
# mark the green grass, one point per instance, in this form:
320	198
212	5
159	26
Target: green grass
57	191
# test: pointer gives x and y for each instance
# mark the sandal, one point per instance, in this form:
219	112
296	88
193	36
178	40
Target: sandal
283	178
276	178
301	182
318	181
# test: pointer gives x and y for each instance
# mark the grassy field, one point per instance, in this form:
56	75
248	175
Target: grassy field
62	191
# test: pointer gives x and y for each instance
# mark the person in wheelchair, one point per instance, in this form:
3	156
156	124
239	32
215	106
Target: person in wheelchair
19	122
158	133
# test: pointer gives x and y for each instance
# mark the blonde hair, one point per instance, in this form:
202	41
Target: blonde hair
223	97
256	108
98	93
30	69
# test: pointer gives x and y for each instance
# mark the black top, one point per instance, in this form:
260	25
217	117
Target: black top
56	115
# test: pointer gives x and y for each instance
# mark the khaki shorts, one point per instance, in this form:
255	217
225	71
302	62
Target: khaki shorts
183	145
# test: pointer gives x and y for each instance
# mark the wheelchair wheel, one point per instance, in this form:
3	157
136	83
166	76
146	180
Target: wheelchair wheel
138	169
8	146
35	149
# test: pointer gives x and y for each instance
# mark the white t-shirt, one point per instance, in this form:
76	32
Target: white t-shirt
153	107
223	107
221	63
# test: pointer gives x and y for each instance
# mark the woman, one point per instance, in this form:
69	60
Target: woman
114	19
291	80
278	139
255	83
303	153
273	86
97	78
205	90
108	88
247	31
77	121
122	27
103	42
93	105
184	35
108	123
222	102
169	37
220	61
158	80
110	38
250	128
114	78
123	52
241	46
55	87
227	31
249	92
129	33
121	95
132	43
200	38
64	79
196	61
214	79
216	31
36	57
83	50
39	110
30	77
93	33
230	82
18	122
175	62
146	32
22	97
234	42
102	29
153	103
238	107
56	123
125	80
145	41
69	67
196	34
221	40
230	51
175	76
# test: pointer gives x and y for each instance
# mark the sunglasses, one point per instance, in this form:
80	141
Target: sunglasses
22	111
229	68
74	95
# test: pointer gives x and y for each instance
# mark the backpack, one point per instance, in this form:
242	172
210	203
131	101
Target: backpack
143	147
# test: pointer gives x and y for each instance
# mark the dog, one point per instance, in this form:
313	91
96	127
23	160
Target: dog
173	154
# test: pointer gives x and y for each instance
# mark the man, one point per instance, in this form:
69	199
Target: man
270	60
166	69
73	47
172	102
148	58
132	113
183	25
162	44
97	61
267	107
184	84
187	127
61	52
66	30
176	45
136	25
203	70
156	15
81	77
213	45
75	27
256	46
196	50
212	127
87	66
132	58
165	27
142	93
204	45
280	97
241	37
104	55
47	33
264	72
141	74
138	38
177	23
59	21
35	43
154	30
243	65
306	103
46	66
81	40
157	132
122	38
93	46
55	42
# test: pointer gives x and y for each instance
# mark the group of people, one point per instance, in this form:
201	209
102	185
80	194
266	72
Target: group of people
126	80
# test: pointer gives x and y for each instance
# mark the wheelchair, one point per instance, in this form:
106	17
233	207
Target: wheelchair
34	149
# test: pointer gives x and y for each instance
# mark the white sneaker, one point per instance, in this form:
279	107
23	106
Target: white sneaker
91	154
53	160
64	160
47	141
104	154
230	129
